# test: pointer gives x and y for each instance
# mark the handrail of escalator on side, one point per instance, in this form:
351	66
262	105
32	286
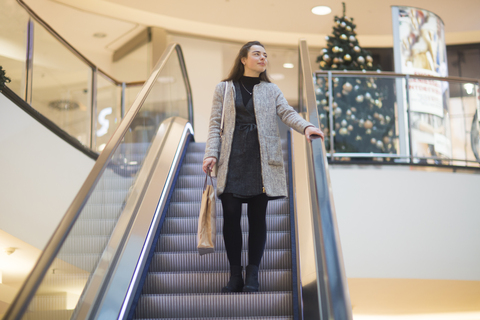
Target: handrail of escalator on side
113	284
33	281
328	253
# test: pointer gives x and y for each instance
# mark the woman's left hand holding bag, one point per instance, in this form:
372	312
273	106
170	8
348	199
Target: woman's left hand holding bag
209	163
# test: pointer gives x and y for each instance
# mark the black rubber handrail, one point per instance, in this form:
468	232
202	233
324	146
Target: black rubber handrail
333	295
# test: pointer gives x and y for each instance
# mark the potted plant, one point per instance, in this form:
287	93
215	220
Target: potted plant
3	79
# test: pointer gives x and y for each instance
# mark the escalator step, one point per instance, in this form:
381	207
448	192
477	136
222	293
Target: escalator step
197	147
209	306
211	282
102	211
108	196
192	169
197	157
82	261
223	318
192	261
188	242
190	224
93	227
82	244
192	208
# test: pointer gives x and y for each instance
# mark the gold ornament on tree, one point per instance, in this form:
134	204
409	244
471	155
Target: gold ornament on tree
347	57
347	86
343	37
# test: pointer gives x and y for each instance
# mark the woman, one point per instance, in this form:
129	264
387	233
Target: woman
250	167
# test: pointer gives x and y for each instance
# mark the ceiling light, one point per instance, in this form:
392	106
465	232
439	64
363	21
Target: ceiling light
288	65
321	10
9	251
99	35
63	104
469	87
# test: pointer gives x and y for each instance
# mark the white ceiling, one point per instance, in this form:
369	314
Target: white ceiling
282	22
372	16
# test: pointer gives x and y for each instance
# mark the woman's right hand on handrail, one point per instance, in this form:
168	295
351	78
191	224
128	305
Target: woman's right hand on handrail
208	163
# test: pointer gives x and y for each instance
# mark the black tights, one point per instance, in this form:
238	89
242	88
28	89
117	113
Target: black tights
232	230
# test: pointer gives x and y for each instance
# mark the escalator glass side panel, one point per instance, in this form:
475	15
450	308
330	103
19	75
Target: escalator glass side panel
66	266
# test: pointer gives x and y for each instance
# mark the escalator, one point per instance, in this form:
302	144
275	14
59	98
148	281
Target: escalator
126	248
182	284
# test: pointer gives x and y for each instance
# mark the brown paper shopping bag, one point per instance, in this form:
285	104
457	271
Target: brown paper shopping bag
207	219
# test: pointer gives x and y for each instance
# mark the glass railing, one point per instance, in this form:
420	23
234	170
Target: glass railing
322	281
58	81
392	117
83	242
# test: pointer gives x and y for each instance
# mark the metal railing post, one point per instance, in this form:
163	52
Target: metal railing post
29	63
331	118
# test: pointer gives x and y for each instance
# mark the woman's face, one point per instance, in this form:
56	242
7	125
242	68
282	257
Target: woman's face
255	62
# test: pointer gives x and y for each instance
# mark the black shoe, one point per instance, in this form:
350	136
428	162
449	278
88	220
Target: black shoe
251	282
236	280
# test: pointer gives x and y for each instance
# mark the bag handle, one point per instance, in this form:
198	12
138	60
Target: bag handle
206	177
223	109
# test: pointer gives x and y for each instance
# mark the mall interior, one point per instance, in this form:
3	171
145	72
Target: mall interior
103	124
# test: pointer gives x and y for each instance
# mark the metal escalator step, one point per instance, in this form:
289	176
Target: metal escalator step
102	211
95	227
191	181
197	157
227	318
217	261
108	196
211	282
196	147
86	262
188	242
192	208
192	169
194	157
275	222
64	280
209	306
85	244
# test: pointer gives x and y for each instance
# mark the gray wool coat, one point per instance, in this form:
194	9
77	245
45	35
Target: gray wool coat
268	103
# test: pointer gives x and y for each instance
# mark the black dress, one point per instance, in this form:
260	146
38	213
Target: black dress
244	177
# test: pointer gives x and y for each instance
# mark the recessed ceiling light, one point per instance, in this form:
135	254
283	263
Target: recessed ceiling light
99	35
321	10
288	65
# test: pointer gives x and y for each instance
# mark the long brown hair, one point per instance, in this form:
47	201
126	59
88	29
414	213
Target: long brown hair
238	68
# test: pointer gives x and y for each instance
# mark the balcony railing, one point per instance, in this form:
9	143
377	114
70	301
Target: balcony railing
62	84
399	118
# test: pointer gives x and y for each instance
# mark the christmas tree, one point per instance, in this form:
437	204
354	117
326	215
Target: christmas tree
362	123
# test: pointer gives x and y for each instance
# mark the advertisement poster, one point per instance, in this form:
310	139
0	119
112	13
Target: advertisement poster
419	47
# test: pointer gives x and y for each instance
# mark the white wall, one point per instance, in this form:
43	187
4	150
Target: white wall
40	175
204	61
400	223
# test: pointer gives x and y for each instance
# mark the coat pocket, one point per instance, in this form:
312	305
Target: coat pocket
274	151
